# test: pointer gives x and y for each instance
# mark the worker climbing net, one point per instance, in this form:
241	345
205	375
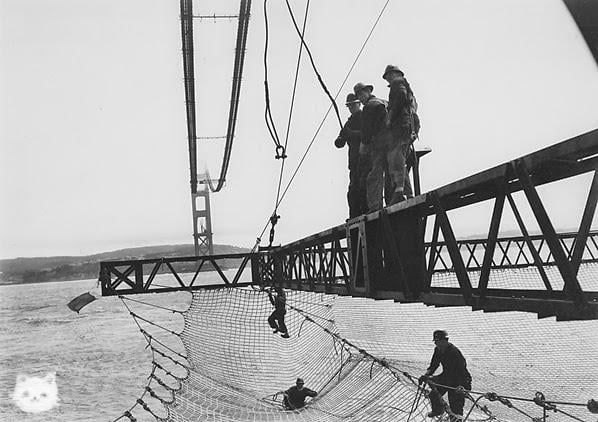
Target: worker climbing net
363	357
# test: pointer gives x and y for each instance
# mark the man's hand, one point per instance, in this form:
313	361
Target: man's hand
339	142
423	379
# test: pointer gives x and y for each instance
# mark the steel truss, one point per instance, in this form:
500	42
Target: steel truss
383	254
136	276
389	259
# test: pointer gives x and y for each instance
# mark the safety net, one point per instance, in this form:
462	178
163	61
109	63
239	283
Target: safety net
364	357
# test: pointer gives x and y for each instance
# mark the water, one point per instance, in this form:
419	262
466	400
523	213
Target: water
99	355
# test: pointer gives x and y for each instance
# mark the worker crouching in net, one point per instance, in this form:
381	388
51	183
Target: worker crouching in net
276	319
454	375
294	397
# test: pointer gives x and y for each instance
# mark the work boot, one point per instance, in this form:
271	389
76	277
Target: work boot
275	330
435	413
397	197
285	335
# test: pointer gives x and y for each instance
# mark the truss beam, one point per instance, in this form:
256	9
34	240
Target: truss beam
382	255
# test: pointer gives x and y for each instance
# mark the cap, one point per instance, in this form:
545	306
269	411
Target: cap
351	98
391	68
300	381
440	335
362	87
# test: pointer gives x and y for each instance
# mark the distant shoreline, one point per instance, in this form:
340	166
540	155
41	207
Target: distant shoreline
72	268
95	279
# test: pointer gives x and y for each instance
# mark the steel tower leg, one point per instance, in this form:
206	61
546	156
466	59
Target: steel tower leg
202	222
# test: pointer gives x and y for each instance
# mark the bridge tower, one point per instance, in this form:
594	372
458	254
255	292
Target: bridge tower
202	219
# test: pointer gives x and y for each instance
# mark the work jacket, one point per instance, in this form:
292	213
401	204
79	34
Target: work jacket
351	135
295	398
402	109
372	119
279	301
454	366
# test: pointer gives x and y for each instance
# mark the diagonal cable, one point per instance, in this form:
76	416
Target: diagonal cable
286	141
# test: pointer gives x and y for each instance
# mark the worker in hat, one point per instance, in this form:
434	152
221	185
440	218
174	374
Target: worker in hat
377	141
454	374
403	121
350	135
294	397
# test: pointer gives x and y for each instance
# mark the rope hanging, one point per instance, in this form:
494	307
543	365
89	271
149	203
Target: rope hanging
281	150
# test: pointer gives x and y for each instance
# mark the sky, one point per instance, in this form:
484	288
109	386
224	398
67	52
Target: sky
93	142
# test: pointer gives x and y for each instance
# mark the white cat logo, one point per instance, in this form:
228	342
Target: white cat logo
36	395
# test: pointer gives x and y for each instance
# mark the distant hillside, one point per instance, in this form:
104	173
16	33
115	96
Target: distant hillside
63	268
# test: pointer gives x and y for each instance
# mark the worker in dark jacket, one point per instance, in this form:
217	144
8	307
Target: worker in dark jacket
403	121
294	397
276	319
454	374
350	135
377	139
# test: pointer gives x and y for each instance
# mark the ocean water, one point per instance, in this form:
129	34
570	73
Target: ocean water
98	355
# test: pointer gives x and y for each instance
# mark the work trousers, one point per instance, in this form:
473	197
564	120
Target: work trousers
276	320
388	157
455	398
357	194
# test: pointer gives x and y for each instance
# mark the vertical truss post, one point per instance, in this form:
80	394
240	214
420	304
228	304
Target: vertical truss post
358	263
451	243
138	276
584	226
432	257
416	179
393	256
572	286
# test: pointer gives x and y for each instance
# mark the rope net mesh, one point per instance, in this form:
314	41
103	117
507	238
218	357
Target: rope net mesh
237	365
522	278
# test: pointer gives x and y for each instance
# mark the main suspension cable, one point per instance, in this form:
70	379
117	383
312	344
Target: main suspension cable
280	153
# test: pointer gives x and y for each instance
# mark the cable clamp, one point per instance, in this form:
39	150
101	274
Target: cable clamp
540	400
273	220
280	152
130	416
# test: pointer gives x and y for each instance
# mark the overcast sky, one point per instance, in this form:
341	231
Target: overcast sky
93	135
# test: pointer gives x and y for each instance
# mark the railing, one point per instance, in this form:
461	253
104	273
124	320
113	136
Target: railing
182	273
512	252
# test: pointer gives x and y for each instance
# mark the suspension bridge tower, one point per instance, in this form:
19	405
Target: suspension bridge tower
202	184
202	219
